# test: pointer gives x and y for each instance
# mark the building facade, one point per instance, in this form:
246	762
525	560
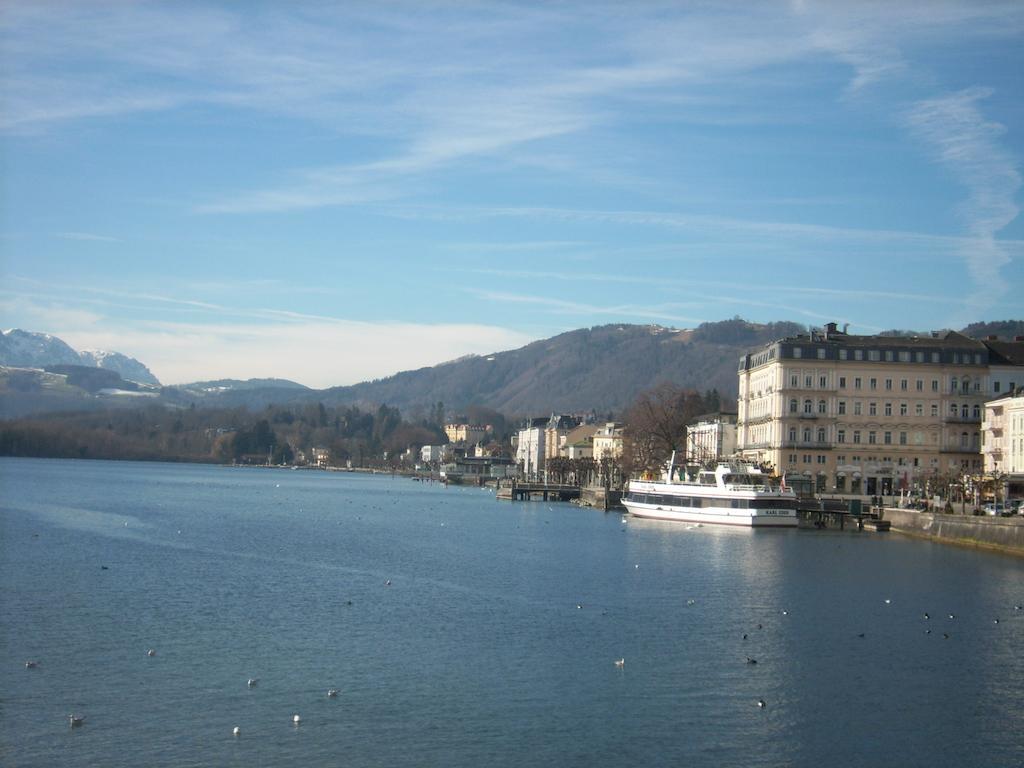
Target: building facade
865	414
711	437
608	441
467	434
529	447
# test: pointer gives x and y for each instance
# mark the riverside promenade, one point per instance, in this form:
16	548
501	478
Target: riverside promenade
1003	534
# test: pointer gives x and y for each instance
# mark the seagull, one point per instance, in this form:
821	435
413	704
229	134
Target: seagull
252	682
332	693
579	605
861	635
691	601
31	664
76	720
620	662
751	661
927	616
387	583
785	613
296	719
151	652
887	601
945	636
761	704
744	635
952	616
236	731
995	621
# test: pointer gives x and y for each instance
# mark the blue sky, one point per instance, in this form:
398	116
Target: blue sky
335	192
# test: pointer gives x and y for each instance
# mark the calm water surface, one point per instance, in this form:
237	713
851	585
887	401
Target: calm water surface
494	643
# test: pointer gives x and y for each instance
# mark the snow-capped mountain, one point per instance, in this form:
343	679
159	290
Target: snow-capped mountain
128	367
26	349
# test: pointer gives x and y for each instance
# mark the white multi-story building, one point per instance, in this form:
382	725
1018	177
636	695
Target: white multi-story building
866	414
608	441
530	447
711	437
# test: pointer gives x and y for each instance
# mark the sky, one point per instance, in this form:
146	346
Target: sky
334	192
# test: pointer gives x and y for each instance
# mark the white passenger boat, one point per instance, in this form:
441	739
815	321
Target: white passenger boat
733	493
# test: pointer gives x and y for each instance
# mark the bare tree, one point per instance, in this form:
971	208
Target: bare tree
656	425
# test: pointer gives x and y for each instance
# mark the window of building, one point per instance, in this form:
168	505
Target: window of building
807	434
935	357
920	385
821	458
821	353
887	438
903	409
858	354
821	434
874	356
903	438
995	386
888	355
873	383
842	383
807	458
808	407
822	406
903	384
935	409
792	434
976	412
822	382
935	385
841	407
904	356
872	409
856	383
919	357
963	439
856	407
964	411
797	352
919	409
794	380
952	409
841	436
793	406
888	384
872	437
792	458
954	383
842	354
888	409
856	436
807	382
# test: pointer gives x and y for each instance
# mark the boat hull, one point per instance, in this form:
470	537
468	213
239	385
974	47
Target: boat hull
740	517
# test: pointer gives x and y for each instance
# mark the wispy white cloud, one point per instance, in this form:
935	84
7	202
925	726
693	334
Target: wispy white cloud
968	145
182	352
88	237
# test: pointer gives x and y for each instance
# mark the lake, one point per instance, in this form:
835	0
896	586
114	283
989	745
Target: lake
463	631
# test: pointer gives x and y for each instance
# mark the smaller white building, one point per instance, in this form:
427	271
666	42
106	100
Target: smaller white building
711	437
608	441
1003	434
434	453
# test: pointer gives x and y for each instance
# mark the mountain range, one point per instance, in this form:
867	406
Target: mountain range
598	369
25	349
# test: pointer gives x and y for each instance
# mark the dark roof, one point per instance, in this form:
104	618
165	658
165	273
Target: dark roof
1005	352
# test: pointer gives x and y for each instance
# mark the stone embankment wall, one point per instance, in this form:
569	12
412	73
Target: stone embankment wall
1003	533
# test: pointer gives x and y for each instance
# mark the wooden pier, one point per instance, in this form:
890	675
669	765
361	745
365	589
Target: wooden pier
520	491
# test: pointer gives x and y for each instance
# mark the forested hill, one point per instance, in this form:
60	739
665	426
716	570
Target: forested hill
601	368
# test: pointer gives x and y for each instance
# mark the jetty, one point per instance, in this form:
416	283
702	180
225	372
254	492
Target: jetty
529	491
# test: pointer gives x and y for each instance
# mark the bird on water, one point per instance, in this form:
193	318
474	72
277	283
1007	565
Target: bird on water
620	662
76	720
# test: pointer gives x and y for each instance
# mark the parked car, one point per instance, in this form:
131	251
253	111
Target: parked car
997	509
